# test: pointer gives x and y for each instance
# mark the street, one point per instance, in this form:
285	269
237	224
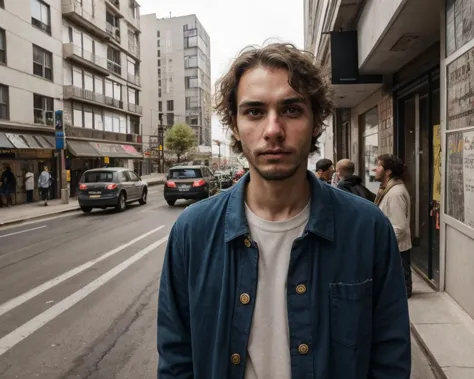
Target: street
78	294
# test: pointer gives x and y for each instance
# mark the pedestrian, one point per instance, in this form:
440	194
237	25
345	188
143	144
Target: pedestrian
282	276
349	182
7	187
44	184
324	170
394	201
29	185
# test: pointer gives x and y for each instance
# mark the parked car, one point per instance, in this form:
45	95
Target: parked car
111	187
189	183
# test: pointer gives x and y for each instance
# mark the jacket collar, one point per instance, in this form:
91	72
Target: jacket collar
321	219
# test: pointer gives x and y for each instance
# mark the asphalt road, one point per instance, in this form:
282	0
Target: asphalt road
78	294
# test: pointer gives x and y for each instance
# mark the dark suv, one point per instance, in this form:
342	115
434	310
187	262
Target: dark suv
110	187
189	183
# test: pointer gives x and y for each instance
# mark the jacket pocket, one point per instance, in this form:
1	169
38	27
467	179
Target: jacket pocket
351	312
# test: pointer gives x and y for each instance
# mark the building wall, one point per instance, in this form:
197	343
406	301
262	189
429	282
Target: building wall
15	19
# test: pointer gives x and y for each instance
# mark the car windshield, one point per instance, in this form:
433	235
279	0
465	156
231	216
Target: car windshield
98	177
185	173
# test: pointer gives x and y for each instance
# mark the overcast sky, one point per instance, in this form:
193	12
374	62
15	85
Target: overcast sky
234	24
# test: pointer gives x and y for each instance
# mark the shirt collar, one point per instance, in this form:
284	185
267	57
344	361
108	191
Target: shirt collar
321	219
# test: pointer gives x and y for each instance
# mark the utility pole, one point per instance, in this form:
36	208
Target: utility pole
161	152
60	145
218	143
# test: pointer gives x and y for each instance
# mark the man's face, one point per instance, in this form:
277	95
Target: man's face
326	175
274	124
379	171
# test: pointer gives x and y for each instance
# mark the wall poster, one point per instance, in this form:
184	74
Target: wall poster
460	87
454	176
468	178
459	24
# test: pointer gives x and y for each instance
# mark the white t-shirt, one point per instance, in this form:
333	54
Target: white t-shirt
269	347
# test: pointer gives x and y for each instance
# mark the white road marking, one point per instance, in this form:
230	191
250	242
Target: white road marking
23	231
13	303
22	332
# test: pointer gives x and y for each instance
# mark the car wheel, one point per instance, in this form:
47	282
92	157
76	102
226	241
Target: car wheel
143	199
121	203
86	209
171	202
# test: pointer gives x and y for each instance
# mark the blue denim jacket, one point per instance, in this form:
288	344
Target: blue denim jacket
352	320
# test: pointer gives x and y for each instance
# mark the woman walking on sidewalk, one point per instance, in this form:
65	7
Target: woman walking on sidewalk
44	182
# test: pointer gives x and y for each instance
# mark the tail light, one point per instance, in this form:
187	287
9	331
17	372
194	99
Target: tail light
170	184
199	183
111	186
82	186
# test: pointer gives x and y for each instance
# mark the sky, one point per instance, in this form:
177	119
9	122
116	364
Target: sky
234	24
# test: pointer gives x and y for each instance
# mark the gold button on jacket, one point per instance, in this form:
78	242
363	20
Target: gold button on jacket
245	298
235	359
300	289
247	242
303	348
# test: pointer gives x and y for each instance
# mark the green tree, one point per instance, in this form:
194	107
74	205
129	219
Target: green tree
180	139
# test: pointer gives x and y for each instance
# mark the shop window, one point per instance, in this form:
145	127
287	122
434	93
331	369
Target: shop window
43	109
41	16
369	123
42	63
4	102
460	140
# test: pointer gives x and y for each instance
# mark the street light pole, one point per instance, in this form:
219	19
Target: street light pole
161	153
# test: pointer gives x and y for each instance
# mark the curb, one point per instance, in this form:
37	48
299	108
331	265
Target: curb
435	367
74	209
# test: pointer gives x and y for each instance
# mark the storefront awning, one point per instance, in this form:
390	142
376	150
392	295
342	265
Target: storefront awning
26	141
82	149
85	149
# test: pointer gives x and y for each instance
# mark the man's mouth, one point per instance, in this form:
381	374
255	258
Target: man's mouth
275	154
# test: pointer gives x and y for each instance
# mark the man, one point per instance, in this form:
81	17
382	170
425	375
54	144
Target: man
7	187
394	201
324	170
44	182
29	185
351	183
282	276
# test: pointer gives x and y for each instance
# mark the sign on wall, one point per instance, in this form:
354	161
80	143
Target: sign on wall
468	174
459	25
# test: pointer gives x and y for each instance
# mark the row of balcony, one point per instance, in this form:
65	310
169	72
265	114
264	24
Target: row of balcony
76	93
74	10
102	135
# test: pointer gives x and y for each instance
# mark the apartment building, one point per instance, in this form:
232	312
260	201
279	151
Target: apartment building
402	76
31	78
176	62
101	73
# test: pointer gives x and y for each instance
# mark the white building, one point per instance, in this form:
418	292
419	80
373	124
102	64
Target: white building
80	56
176	62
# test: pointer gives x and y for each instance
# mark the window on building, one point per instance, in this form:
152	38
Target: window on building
108	122
170	119
159	83
158	34
2	4
3	47
192	102
77	77
41	15
191	82
88	118
159	92
133	96
192	120
134	125
113	90
77	119
159	62
158	43
133	42
160	106
98	85
159	73
170	105
98	120
43	109
113	60
4	103
117	91
111	19
133	8
88	81
190	61
190	42
42	63
159	53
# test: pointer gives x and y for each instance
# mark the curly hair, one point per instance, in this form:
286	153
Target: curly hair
303	76
393	163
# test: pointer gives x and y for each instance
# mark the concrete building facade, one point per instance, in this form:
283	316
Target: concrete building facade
81	57
176	63
402	75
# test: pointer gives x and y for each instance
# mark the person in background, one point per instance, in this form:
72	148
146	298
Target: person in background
393	200
324	170
7	188
351	183
29	185
44	183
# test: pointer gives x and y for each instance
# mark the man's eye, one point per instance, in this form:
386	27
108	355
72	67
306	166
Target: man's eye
293	111
254	112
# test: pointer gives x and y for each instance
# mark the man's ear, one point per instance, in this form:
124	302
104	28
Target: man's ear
235	130
317	131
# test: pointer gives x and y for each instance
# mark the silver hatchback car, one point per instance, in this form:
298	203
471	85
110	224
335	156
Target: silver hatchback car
111	187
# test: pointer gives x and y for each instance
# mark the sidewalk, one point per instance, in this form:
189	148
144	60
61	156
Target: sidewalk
27	212
444	330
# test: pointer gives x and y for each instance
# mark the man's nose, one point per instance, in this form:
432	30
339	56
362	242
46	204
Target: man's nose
274	127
